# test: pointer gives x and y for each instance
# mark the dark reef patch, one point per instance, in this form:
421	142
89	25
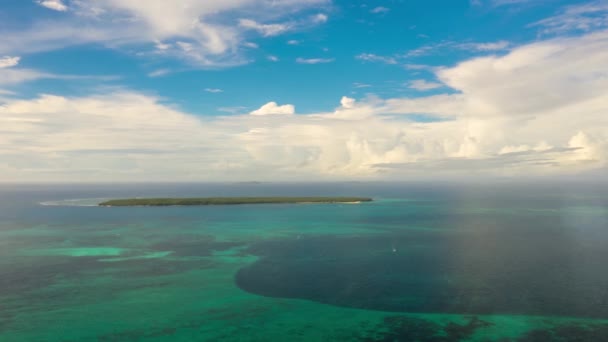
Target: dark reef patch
568	333
407	329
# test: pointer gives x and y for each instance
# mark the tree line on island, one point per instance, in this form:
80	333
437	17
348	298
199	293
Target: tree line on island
156	202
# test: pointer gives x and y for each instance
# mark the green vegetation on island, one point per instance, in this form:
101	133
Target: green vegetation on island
158	202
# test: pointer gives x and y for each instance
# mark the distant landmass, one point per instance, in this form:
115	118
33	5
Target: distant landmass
159	202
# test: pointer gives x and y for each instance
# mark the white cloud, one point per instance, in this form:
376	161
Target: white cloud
272	58
477	47
540	147
410	66
8	62
538	110
320	18
7	92
267	30
272	108
12	76
56	5
214	90
442	106
152	27
314	60
52	35
185	46
159	72
582	18
232	110
423	85
423	50
587	148
493	46
370	57
293	42
359	85
379	9
347	102
162	46
431	49
520	82
87	138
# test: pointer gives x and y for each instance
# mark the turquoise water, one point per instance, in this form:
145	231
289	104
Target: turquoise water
420	263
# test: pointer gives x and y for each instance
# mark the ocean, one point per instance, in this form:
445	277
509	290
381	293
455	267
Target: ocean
422	262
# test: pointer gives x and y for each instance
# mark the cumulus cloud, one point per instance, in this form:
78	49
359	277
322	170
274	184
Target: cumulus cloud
272	108
97	134
519	83
347	102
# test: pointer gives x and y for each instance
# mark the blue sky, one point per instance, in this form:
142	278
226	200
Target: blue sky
370	89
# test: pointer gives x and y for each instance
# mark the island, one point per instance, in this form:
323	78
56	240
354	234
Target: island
160	202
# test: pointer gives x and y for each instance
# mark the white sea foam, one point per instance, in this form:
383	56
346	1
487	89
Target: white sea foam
75	202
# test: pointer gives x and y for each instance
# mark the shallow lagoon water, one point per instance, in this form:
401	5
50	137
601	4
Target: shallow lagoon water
421	263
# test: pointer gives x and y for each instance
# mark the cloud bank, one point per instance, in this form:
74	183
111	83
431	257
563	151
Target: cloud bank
538	110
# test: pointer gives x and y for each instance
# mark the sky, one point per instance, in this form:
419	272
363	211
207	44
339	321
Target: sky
301	90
